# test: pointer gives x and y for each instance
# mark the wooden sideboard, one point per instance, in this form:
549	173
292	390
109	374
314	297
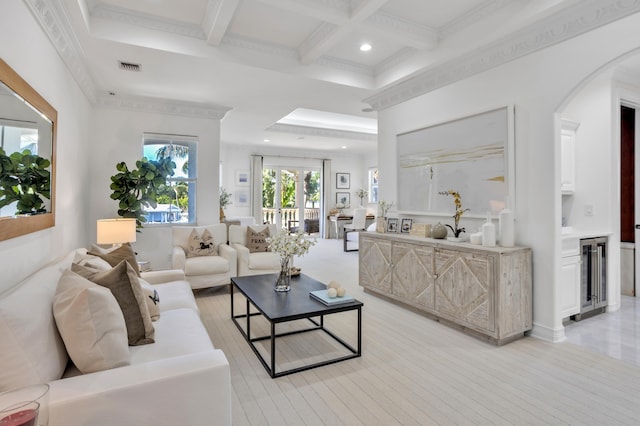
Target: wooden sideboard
485	291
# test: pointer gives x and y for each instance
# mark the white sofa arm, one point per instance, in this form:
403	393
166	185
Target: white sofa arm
231	255
190	390
163	276
178	257
242	253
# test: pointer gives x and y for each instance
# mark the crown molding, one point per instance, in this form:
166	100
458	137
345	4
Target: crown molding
318	131
53	20
162	106
412	33
574	20
344	65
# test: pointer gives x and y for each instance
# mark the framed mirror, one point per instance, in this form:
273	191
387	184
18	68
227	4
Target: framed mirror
27	157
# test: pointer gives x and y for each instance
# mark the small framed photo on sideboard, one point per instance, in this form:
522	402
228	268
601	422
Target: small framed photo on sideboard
405	226
392	224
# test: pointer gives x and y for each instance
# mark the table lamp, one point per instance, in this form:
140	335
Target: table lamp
116	231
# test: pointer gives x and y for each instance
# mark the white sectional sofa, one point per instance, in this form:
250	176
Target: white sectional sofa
181	379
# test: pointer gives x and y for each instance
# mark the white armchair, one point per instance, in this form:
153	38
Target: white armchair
253	263
204	271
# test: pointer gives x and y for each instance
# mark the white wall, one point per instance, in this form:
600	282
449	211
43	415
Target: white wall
117	136
536	85
28	51
592	108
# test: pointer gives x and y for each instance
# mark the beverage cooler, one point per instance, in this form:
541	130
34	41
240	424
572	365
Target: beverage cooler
593	285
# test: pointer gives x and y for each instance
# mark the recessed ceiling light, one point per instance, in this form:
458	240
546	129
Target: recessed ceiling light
365	47
267	140
343	147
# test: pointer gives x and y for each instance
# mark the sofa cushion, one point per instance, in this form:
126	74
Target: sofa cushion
176	295
206	265
201	245
32	349
152	298
91	324
115	256
257	239
125	286
178	332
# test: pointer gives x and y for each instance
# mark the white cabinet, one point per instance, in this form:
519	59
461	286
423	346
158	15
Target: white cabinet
569	288
569	297
567	156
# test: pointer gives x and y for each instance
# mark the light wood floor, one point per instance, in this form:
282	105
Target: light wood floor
415	371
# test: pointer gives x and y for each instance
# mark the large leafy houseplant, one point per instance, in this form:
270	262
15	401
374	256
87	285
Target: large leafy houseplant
24	178
138	188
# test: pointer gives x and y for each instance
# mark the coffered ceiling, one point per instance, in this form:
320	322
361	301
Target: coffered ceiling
264	59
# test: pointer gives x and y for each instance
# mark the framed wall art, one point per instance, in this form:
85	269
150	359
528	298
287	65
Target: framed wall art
242	198
242	177
343	180
473	155
343	198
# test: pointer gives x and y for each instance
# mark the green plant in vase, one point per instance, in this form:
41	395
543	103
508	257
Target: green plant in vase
138	188
24	179
457	200
225	200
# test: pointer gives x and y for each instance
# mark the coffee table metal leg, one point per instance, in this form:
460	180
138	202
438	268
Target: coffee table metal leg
273	349
248	322
359	331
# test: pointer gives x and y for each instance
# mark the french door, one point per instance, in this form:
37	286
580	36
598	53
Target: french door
290	195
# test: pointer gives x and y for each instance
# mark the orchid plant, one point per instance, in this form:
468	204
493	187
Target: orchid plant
457	200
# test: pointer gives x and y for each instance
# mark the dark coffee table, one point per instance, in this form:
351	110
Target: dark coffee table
293	305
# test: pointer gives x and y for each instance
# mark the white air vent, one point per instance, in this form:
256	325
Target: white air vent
128	66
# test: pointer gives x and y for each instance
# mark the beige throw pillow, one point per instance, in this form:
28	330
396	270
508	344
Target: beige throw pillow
91	324
201	245
125	286
257	240
113	257
152	298
91	261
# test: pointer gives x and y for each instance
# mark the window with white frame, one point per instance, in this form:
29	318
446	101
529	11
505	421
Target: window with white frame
177	202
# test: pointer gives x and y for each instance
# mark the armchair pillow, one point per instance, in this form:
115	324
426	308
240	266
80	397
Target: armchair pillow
257	240
201	245
91	324
113	257
125	286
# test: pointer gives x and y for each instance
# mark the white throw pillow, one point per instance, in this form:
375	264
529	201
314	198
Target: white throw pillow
91	324
152	298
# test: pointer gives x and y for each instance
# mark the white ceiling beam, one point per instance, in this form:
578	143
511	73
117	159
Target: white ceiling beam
327	35
403	31
334	12
217	18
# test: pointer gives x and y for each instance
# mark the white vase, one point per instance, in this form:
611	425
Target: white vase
506	226
488	232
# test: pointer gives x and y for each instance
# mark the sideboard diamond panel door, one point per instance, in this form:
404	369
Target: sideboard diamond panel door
375	268
413	273
463	287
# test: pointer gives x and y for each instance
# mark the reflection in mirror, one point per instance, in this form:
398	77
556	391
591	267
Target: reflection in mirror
27	154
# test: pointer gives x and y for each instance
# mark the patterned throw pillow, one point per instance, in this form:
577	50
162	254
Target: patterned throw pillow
257	240
201	245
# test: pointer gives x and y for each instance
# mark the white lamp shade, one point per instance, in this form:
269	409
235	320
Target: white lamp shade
116	231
